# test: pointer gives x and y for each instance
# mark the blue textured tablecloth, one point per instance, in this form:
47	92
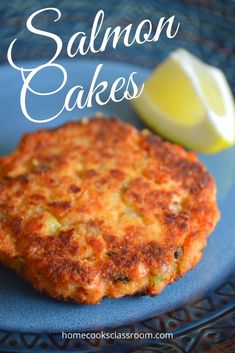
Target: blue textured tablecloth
207	28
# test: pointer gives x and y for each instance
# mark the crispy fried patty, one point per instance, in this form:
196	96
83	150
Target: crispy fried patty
98	209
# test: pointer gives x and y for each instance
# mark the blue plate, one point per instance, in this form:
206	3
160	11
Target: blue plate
22	308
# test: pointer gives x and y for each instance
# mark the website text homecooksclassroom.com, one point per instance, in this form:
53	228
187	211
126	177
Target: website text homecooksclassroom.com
117	335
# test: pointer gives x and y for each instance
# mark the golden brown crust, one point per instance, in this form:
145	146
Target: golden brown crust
97	208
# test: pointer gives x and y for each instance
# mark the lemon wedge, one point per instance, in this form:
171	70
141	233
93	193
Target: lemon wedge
189	102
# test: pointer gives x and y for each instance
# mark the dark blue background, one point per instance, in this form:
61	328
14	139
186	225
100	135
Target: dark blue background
207	28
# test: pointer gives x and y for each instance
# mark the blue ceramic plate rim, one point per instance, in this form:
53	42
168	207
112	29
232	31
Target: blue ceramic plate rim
25	317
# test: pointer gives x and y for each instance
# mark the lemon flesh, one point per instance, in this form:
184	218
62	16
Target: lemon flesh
189	102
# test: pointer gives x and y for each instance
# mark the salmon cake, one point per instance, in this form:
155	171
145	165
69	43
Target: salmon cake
96	208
